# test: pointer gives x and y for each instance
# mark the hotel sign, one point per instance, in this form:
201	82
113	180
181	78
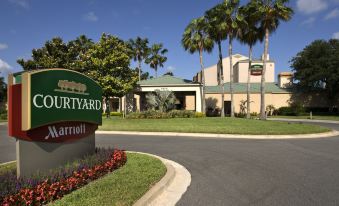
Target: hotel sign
53	105
256	69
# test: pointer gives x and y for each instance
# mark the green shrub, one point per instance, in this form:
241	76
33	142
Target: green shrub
113	114
199	115
294	110
152	114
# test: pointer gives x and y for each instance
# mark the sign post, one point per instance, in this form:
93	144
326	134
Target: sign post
53	114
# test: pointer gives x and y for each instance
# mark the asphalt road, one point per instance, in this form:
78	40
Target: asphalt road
240	172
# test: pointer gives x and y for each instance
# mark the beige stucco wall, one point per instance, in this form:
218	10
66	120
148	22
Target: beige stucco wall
241	73
211	72
190	102
284	81
278	100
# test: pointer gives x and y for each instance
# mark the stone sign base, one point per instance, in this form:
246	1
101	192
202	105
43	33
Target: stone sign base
42	156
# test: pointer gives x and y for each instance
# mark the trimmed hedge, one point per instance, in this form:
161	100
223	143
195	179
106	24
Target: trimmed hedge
151	114
113	114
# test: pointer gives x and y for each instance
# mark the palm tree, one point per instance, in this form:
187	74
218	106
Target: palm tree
156	57
197	39
250	34
232	20
217	31
271	13
139	51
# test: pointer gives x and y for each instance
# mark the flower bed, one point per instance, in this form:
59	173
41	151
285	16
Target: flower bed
42	190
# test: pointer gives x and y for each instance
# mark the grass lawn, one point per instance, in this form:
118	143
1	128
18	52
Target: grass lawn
122	187
332	118
3	120
209	125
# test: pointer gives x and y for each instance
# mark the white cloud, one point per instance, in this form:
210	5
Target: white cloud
3	46
309	21
311	6
171	68
90	16
22	3
4	66
333	14
336	35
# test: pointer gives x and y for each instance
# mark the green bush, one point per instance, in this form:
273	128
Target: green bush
113	114
152	114
294	110
199	115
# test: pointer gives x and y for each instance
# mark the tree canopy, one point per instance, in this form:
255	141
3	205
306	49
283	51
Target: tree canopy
316	68
107	62
58	54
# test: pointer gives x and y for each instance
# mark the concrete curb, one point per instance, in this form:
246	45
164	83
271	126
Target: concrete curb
303	120
3	123
225	136
168	191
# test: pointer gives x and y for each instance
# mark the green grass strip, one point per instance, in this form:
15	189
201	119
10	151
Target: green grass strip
7	167
210	125
121	187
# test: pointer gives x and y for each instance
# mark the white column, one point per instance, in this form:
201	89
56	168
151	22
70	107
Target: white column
198	99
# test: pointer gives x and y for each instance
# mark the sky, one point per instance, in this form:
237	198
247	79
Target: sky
28	24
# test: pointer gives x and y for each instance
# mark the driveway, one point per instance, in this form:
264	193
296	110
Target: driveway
238	171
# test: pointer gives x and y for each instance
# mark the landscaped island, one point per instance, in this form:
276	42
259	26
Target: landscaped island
105	178
210	125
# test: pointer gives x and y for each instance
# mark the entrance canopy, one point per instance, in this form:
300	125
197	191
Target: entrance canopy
188	93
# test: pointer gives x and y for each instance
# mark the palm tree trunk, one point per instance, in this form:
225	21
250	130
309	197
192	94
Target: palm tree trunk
156	71
221	81
262	86
231	73
139	66
248	114
203	107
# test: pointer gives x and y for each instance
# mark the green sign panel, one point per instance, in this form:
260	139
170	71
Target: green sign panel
59	95
256	69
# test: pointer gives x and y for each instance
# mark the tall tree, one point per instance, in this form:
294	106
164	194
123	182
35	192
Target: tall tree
232	20
316	69
3	95
107	62
139	51
57	54
156	57
217	29
250	34
272	12
197	39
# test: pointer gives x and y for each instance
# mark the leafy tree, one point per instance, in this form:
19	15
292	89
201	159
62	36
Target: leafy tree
271	12
107	62
163	100
250	33
316	69
217	29
58	54
139	51
197	39
156	57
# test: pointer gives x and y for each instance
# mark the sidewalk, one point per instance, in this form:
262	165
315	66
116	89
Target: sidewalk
303	120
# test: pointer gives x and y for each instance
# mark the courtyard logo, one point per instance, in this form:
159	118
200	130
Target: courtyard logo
71	87
55	132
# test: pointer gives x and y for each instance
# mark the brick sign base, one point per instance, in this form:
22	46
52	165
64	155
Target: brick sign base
43	156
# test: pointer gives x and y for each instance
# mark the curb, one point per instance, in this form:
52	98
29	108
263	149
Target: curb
303	120
3	123
225	136
168	191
